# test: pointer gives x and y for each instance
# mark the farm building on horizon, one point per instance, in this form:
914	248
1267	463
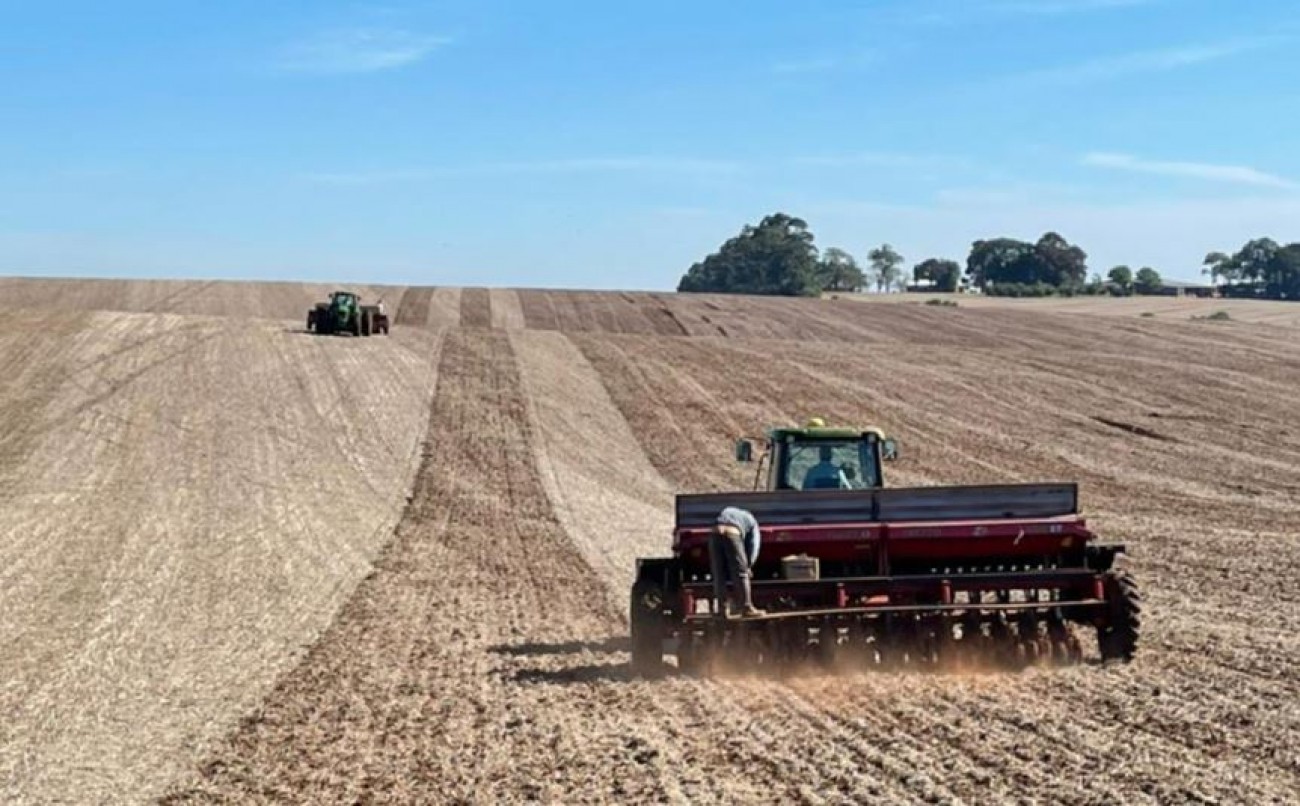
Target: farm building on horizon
1183	288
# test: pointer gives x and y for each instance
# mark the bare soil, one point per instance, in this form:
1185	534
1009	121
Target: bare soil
187	501
198	591
507	312
1181	309
475	308
422	307
479	661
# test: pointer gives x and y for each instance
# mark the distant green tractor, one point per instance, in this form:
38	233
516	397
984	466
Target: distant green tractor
344	313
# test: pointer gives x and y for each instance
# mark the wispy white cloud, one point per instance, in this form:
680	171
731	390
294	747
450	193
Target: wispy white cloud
578	165
1146	61
358	50
1231	174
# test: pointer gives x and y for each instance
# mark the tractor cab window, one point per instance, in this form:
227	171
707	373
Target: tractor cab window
827	465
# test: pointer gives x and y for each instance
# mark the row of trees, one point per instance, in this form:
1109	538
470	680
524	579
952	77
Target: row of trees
1123	282
1262	268
779	256
885	271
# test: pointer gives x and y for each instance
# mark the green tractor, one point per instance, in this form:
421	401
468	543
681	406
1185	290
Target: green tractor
344	313
817	457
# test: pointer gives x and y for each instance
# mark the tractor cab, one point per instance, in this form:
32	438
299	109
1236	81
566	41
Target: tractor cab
345	300
817	457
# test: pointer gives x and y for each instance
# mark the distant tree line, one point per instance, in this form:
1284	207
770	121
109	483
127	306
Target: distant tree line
1261	269
778	256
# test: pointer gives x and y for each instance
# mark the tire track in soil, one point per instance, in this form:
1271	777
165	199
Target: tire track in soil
589	461
475	308
33	374
667	322
413	307
539	311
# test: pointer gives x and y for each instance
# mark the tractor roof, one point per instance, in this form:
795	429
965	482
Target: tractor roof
824	432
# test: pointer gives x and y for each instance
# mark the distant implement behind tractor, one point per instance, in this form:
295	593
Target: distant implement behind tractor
344	313
852	574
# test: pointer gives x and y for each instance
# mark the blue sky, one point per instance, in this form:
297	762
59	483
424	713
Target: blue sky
607	145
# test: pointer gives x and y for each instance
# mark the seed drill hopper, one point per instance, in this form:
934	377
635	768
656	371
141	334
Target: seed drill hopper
852	573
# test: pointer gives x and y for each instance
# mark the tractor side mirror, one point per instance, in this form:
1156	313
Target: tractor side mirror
889	449
744	450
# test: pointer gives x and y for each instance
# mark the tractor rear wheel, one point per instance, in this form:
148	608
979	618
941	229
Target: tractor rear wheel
365	324
1118	638
647	621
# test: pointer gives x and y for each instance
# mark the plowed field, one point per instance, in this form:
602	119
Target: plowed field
1181	309
217	588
